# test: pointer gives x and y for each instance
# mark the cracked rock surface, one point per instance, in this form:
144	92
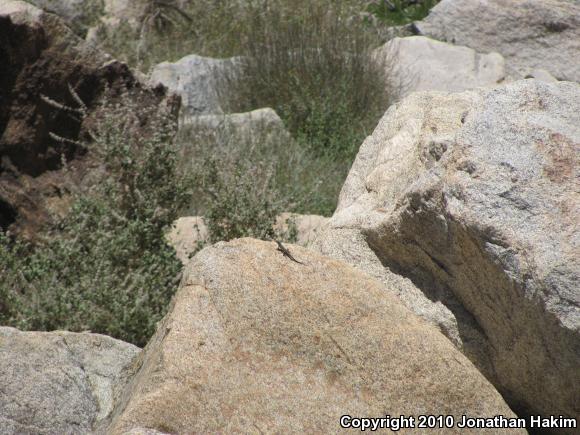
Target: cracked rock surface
529	34
251	335
467	204
59	382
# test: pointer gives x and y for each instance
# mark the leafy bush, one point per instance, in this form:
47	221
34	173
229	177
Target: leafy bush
245	179
240	206
308	60
106	267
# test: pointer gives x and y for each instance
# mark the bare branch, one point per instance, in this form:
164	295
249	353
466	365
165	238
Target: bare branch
61	139
60	106
78	99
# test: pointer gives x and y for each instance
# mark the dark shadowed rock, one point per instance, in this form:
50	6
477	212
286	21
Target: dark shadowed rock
41	58
474	198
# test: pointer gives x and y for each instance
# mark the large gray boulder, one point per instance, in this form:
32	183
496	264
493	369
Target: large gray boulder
256	343
59	382
196	79
424	64
472	199
79	14
529	34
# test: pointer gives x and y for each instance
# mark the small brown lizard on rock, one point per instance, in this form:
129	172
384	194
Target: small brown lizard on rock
286	253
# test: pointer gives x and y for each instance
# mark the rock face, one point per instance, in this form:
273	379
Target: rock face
306	226
255	343
529	34
473	197
41	60
196	80
424	64
59	382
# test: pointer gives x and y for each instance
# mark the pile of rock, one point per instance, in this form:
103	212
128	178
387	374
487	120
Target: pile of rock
446	282
256	343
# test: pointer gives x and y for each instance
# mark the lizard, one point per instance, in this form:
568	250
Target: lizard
286	253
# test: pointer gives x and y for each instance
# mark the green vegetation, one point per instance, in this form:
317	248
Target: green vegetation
315	71
173	29
399	12
245	179
201	27
105	267
310	62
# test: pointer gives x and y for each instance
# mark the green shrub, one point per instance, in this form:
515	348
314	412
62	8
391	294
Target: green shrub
245	179
243	203
313	68
308	60
106	267
173	29
200	27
